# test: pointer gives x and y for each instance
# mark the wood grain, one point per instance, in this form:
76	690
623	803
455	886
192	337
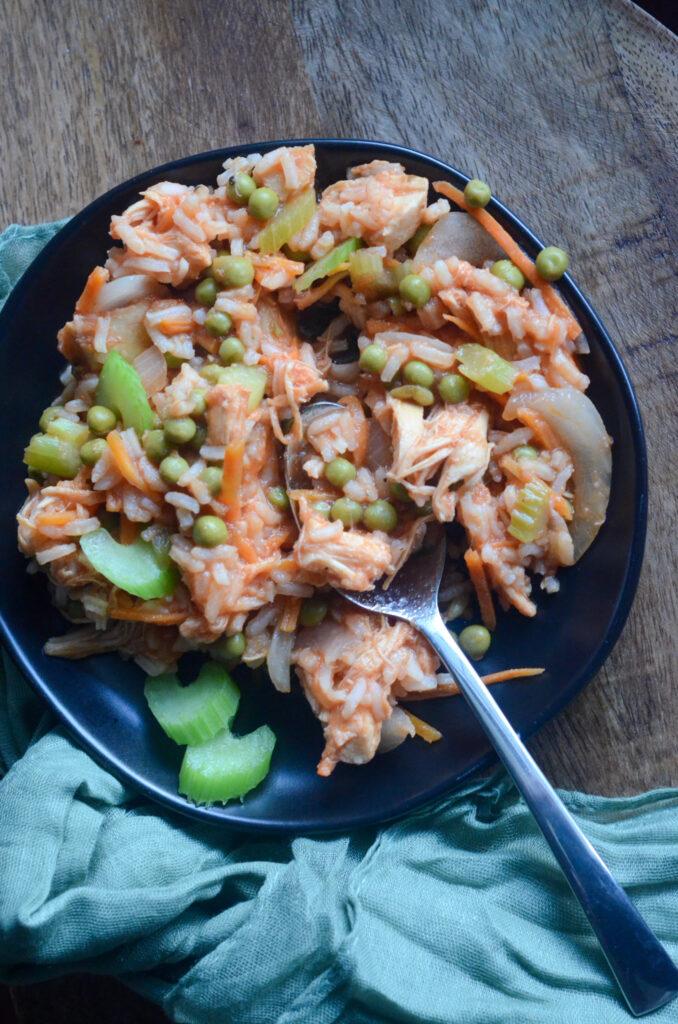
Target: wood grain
568	107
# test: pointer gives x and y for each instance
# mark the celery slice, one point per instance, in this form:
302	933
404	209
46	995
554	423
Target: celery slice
68	430
137	568
366	267
530	514
121	390
290	218
227	766
49	454
254	378
194	714
327	263
486	368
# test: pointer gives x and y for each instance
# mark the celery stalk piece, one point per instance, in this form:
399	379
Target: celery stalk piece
137	568
290	218
531	511
485	368
366	267
49	454
326	264
121	390
253	378
227	766
194	714
68	430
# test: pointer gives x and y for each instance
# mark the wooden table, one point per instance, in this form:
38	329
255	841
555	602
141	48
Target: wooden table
569	109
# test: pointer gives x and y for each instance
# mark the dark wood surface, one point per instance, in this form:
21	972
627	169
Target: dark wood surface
568	107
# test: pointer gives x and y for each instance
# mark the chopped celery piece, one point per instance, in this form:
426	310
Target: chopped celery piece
194	714
289	219
67	430
53	455
366	268
227	766
254	378
136	568
486	368
326	264
121	390
530	514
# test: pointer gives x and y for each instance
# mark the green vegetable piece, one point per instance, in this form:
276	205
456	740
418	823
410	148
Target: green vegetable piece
206	291
416	372
475	641
48	454
340	471
298	255
290	218
231	350
413	393
155	445
486	368
91	451
380	515
263	203
52	413
313	611
209	531
508	272
213	477
179	430
347	511
327	263
453	388
525	451
417	238
211	372
121	390
240	187
68	430
230	647
137	568
323	508
226	767
233	271
531	511
365	268
415	289
218	323
399	491
477	193
279	498
199	402
173	468
101	420
196	713
173	362
396	306
373	359
551	263
254	378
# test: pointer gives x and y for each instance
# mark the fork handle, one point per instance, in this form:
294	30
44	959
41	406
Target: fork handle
643	969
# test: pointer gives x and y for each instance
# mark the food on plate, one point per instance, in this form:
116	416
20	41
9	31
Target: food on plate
156	499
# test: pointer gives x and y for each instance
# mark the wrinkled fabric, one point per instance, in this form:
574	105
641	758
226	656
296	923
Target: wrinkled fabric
456	915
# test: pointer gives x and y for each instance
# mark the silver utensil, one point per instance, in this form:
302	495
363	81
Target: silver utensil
644	971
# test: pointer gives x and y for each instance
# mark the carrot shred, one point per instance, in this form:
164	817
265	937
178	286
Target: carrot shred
287	565
464	325
427	732
90	293
140	614
230	488
55	518
178	325
515	254
124	462
290	616
477	574
313	294
511	673
561	505
539	427
245	548
128	530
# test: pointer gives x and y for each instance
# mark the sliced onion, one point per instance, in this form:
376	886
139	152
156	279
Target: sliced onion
152	369
394	731
279	659
576	422
460	235
123	291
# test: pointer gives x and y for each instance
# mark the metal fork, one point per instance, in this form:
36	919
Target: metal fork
644	971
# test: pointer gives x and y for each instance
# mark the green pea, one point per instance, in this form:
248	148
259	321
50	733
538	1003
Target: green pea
508	272
213	477
279	498
101	420
525	451
340	472
231	350
206	292
199	403
174	362
415	289
416	372
551	263
396	305
218	323
373	359
179	430
92	451
477	193
208	531
211	373
323	508
347	511
475	641
413	393
418	237
53	413
454	388
230	646
233	271
300	255
399	491
240	187
199	437
312	612
173	468
380	515
263	203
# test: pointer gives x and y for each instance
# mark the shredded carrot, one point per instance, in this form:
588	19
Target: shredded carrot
464	325
287	565
124	463
423	729
141	614
245	548
55	518
561	505
313	294
290	616
230	488
511	673
179	325
402	323
128	530
539	427
515	254
90	294
477	574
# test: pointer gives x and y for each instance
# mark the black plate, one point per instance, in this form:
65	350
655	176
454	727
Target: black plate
101	699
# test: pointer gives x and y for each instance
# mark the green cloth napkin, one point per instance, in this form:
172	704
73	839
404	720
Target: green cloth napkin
456	915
